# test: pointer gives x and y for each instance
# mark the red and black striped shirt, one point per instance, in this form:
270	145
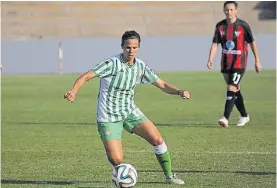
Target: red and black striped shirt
234	39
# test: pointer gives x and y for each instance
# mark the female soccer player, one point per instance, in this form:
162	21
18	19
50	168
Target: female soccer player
116	108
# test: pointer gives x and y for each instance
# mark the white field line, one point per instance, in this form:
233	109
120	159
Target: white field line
143	151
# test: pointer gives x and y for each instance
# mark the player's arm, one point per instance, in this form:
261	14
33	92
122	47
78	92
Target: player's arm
102	69
250	39
171	89
213	48
254	48
212	53
79	82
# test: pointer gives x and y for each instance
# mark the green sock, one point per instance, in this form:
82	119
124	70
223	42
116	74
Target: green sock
165	162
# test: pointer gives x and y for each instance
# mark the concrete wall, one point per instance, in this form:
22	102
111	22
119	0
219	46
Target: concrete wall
160	53
90	31
110	19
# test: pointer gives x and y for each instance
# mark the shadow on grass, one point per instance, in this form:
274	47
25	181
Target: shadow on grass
47	182
212	171
34	182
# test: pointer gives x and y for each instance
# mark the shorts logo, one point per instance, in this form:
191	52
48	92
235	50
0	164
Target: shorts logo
107	132
230	45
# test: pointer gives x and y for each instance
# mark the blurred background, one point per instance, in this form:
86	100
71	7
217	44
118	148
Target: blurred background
72	37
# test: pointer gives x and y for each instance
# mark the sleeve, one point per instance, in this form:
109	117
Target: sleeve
148	76
103	69
217	37
248	33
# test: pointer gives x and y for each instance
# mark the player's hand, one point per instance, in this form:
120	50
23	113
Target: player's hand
210	65
184	94
258	66
70	95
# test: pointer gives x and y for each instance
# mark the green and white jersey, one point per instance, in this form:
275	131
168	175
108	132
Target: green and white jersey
117	83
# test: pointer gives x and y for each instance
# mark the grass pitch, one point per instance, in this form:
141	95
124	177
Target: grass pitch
48	142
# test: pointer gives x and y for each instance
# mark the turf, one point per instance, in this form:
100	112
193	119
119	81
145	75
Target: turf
48	142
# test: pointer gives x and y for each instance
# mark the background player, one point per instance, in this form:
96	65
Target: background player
234	35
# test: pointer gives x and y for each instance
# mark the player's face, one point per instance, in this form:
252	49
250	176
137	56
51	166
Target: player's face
230	11
130	49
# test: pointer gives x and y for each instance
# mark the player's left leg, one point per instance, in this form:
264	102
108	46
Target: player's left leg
234	82
139	124
241	108
239	102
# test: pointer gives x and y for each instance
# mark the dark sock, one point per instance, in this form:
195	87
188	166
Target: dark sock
240	104
229	104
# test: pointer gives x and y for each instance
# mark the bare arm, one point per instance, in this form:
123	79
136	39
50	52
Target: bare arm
212	53
254	48
80	81
171	89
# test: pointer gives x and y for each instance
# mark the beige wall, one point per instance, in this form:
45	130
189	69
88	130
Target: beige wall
110	19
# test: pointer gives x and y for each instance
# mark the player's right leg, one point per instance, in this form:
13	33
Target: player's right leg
111	137
230	99
114	151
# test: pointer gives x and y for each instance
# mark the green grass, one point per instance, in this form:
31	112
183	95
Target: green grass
48	142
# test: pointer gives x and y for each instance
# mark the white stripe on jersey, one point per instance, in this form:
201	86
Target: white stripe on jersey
116	95
101	107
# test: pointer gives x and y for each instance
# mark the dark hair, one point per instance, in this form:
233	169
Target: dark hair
230	2
130	35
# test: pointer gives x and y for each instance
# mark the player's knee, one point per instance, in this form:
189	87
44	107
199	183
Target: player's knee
157	141
232	88
160	148
116	160
230	95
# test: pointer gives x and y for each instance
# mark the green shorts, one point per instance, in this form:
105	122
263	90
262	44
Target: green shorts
113	130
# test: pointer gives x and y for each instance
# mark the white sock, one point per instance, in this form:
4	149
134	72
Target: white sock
160	149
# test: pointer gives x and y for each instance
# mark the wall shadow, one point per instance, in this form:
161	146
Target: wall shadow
267	10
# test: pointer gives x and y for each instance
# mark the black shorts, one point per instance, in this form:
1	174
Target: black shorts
234	77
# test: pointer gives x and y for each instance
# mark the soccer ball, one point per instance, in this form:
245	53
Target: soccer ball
124	176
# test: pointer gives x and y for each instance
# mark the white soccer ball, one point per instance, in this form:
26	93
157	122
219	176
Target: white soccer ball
124	176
